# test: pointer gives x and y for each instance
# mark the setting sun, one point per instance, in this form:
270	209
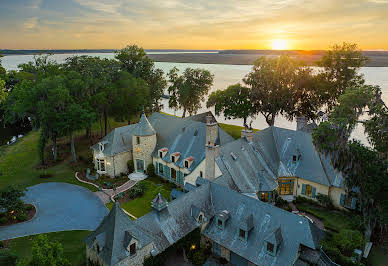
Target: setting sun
279	44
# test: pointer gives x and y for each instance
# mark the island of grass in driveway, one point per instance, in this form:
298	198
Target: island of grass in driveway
142	205
72	243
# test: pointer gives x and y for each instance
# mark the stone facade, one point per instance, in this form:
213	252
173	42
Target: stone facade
212	148
114	165
138	258
92	255
143	150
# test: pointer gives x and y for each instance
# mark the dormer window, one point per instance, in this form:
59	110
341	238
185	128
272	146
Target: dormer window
242	234
162	152
200	218
220	223
270	247
101	145
294	158
273	241
138	140
175	157
132	249
188	161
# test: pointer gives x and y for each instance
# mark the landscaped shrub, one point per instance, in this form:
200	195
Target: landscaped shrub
324	200
21	217
348	240
279	202
46	175
137	191
301	199
29	207
131	167
199	258
151	170
3	220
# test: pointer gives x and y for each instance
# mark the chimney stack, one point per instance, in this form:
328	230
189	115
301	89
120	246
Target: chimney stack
212	146
247	133
301	122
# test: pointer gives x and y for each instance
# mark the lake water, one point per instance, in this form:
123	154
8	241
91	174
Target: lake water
224	75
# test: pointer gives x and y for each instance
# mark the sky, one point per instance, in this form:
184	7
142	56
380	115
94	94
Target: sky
193	24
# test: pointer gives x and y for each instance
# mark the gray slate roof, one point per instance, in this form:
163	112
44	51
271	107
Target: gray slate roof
266	219
278	146
143	128
113	233
117	141
244	168
183	135
165	227
174	222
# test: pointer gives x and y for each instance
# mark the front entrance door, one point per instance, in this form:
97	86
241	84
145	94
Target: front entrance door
140	166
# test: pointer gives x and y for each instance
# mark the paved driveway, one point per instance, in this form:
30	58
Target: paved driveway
60	207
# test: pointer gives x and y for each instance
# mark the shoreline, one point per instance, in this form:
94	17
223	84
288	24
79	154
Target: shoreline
375	60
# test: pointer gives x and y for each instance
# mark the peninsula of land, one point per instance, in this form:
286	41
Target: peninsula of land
227	57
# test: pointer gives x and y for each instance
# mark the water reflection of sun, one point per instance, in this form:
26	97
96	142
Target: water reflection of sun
279	44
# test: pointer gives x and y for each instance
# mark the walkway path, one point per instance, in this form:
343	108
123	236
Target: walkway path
59	207
315	220
106	195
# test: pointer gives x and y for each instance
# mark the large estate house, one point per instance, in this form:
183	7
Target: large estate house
241	229
260	165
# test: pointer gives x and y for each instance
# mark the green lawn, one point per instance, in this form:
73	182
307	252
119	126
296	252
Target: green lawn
141	206
234	131
18	162
333	220
72	243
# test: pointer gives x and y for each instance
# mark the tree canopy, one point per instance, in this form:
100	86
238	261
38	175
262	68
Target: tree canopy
234	102
188	90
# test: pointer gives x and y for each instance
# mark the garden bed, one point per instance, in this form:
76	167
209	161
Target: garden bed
9	219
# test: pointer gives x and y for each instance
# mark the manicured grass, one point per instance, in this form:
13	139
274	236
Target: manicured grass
72	243
142	205
18	162
234	131
333	220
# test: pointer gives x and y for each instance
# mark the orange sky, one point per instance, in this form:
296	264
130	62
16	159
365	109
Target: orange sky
187	24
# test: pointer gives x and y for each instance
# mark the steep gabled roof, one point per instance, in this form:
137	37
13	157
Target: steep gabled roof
183	135
279	145
117	141
144	127
112	234
266	220
242	166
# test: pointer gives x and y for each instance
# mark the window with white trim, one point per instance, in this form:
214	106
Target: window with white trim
101	165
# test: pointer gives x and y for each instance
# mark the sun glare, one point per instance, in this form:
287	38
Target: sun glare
279	44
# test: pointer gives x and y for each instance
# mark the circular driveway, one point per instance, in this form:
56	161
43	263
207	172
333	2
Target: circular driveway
59	207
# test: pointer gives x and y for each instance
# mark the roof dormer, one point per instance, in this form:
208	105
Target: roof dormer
101	145
174	157
273	242
162	152
245	226
188	161
221	219
130	243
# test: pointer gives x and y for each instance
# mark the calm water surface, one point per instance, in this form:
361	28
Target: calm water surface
224	75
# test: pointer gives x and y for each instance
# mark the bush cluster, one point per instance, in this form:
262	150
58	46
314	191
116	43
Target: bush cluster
130	166
151	170
137	191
